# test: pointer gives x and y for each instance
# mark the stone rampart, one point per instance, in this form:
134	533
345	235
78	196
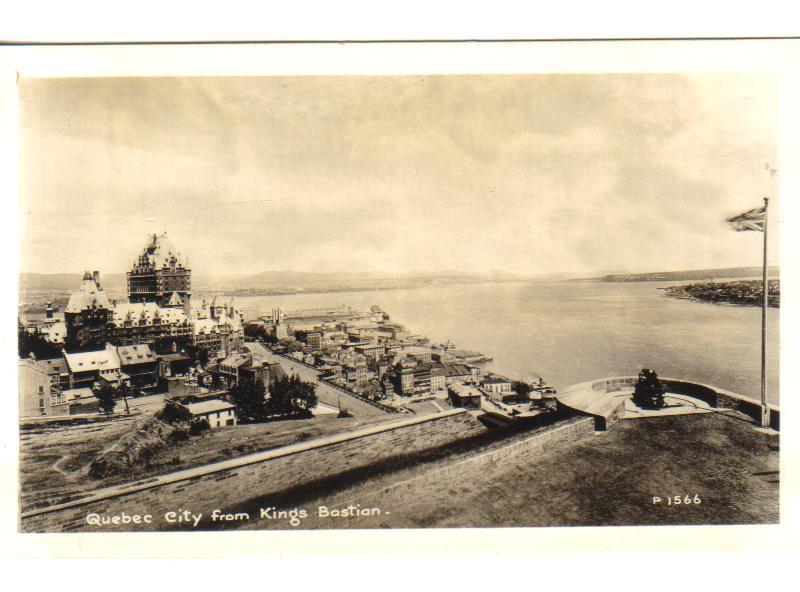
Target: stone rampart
570	430
227	483
714	396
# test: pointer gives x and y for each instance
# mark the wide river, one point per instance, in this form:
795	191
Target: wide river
571	332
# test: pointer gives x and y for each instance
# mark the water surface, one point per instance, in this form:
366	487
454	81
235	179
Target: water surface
571	332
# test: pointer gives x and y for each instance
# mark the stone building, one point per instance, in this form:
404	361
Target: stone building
40	393
160	275
146	322
158	313
88	314
217	328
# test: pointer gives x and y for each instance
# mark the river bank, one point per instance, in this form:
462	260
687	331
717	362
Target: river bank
741	293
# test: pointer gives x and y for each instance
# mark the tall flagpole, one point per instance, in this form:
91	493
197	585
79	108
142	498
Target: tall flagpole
764	409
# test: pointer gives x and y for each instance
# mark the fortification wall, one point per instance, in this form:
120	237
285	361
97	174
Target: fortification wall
714	396
544	439
224	484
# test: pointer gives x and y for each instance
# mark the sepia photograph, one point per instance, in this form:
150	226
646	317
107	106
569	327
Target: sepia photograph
416	300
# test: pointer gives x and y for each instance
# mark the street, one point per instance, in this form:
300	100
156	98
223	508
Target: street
326	393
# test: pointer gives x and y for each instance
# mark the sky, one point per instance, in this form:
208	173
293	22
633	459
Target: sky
532	174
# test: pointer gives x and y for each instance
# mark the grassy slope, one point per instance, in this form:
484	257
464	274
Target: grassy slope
609	479
53	462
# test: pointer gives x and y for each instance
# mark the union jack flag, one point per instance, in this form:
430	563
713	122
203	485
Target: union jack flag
750	220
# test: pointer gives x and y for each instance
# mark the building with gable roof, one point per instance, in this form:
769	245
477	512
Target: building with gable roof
140	363
147	322
158	312
161	275
86	368
218	328
88	313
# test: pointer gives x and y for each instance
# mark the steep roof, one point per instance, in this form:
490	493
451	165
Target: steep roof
105	359
87	296
52	366
205	327
175	300
160	251
148	312
135	354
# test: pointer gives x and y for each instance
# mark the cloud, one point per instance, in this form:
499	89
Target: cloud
530	173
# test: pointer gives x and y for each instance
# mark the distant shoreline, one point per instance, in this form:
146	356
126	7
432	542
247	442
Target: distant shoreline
698	275
246	293
59	298
737	293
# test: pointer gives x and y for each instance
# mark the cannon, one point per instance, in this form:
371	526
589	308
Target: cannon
649	392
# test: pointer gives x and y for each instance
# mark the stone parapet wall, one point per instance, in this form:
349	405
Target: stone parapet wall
714	396
564	432
228	483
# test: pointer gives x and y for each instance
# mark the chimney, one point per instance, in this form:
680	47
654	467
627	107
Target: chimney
96	277
49	310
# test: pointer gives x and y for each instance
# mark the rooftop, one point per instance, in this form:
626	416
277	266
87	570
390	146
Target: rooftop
104	359
160	252
148	312
136	354
78	394
206	407
89	295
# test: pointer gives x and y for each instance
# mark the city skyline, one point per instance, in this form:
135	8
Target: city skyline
530	174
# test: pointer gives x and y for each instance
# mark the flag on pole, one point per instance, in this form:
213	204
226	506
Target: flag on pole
750	220
756	219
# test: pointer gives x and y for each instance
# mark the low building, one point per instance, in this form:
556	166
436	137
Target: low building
419	353
497	384
174	365
246	367
371	351
81	401
230	369
356	374
216	412
444	357
462	395
85	368
461	373
140	363
180	386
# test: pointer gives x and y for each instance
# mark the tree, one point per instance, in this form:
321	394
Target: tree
249	396
106	395
253	330
291	396
123	392
34	343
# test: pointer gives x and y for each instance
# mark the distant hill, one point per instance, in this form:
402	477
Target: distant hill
68	281
686	275
280	281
